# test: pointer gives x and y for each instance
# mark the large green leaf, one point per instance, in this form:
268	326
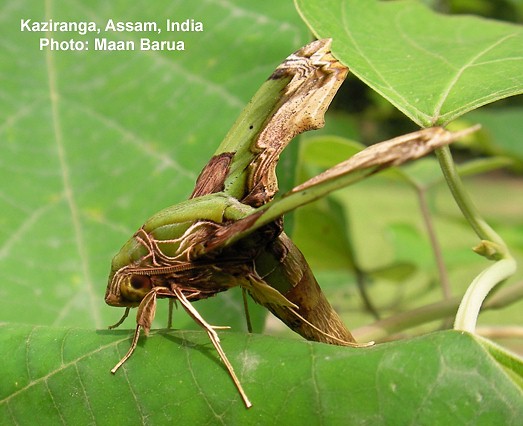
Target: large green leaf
62	376
93	143
432	67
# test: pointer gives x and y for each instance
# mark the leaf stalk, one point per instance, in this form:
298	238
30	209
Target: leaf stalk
492	247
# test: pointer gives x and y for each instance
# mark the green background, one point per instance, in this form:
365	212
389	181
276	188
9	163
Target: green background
93	143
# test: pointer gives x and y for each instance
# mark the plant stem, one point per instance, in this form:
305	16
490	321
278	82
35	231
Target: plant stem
462	198
493	247
480	287
501	332
436	247
436	311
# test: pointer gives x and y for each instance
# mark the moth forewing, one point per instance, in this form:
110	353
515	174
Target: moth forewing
308	312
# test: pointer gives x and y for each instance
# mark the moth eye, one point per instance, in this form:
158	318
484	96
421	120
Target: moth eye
141	282
135	287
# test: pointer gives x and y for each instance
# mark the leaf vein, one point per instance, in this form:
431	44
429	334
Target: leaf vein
59	369
67	184
86	396
454	81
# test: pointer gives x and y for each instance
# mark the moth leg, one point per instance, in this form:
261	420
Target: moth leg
130	351
195	315
170	317
246	310
144	319
121	320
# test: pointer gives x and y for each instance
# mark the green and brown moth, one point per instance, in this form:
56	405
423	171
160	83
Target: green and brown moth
230	232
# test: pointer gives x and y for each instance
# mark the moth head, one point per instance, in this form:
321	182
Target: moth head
124	287
127	289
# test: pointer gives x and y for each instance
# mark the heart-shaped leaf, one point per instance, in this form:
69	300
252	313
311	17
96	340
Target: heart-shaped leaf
432	67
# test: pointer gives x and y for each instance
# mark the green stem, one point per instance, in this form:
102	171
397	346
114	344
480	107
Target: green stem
479	289
492	247
436	247
383	329
462	198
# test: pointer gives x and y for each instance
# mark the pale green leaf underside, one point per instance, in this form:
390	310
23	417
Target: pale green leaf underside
432	67
446	376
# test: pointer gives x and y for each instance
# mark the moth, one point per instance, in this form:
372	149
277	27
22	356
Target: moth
230	232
